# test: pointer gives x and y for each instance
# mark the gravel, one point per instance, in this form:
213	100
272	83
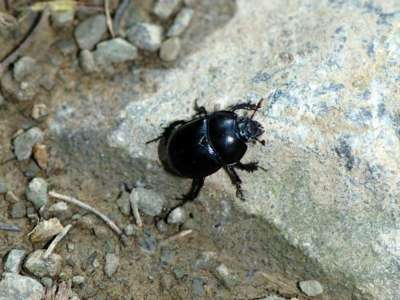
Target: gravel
18	210
36	265
20	91
165	8
131	229
145	36
17	287
115	51
148	243
112	263
24	142
181	22
224	275
78	280
14	261
150	202
166	256
124	204
177	216
23	67
311	288
62	19
170	49
45	230
89	32
37	192
60	210
39	110
87	61
198	286
67	46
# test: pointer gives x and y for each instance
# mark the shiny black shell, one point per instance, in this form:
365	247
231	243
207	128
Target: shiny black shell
200	147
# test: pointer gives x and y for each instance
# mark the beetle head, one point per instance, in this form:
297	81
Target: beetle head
249	130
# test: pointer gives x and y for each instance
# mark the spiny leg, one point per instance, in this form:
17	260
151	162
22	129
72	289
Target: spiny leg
245	106
167	131
249	167
197	184
200	110
236	181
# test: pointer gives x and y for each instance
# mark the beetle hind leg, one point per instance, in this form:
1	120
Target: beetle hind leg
244	106
249	167
194	191
167	131
236	181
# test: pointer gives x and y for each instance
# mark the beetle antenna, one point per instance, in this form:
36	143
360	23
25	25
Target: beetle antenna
257	107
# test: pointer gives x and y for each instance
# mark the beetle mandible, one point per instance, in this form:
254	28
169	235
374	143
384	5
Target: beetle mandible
208	142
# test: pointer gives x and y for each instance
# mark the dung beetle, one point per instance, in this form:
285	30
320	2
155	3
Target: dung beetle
201	146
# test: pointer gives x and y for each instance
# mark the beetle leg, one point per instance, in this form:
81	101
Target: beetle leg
245	106
167	131
200	110
249	167
236	181
197	184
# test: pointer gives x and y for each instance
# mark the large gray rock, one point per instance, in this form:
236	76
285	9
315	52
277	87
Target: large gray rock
332	131
17	287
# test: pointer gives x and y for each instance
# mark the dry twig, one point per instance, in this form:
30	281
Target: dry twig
15	53
79	203
135	211
123	6
177	236
56	240
108	17
61	292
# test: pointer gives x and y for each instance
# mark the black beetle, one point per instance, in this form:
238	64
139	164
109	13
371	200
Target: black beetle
209	141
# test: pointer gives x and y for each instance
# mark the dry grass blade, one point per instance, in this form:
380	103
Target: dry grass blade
87	207
56	240
9	227
108	17
15	53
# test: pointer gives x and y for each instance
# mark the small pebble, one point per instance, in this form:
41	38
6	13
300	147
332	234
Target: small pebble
161	226
124	204
40	267
170	49
224	275
14	261
101	232
37	192
47	282
89	32
14	286
32	170
130	229
146	36
39	111
177	216
114	51
20	91
24	142
78	280
148	201
112	263
62	19
18	210
204	260
148	243
66	46
45	230
32	214
87	61
59	210
40	155
181	22
198	286
311	288
165	8
23	67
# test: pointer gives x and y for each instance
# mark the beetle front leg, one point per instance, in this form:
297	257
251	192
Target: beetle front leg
197	184
200	110
236	181
245	106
